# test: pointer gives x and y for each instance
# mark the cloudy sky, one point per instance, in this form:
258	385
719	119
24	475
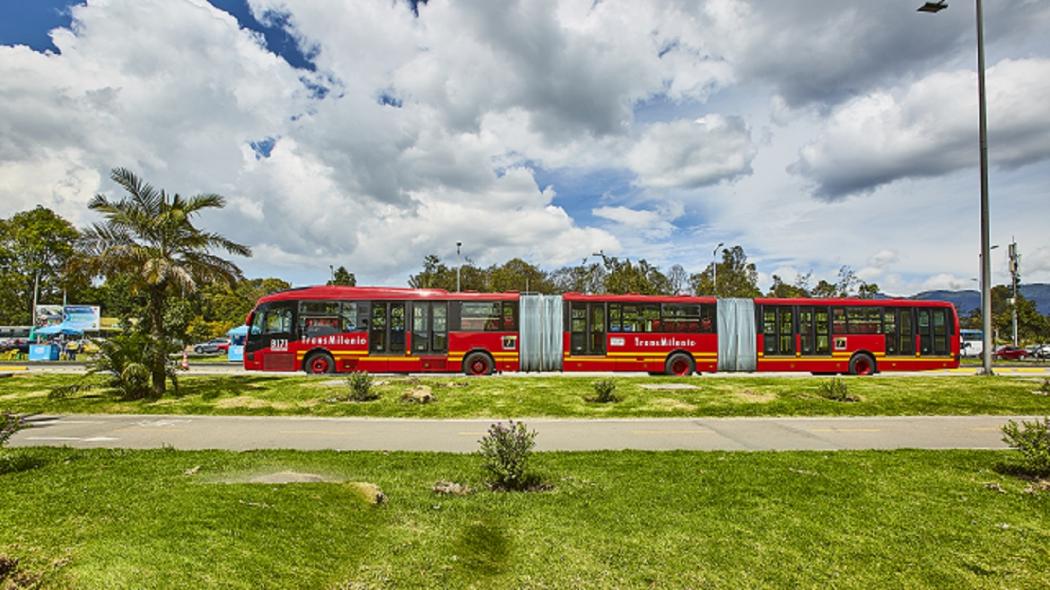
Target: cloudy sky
815	133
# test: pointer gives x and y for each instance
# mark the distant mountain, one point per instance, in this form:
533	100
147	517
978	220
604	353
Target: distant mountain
968	300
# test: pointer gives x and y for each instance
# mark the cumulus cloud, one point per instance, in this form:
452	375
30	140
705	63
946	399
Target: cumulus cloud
824	51
928	128
690	154
652	223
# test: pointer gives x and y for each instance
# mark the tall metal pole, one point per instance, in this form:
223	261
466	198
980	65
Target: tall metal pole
986	258
714	269
1015	267
458	266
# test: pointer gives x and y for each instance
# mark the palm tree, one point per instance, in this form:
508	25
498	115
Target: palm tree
149	236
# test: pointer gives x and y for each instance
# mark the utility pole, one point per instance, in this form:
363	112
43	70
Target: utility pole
1015	279
933	7
458	266
714	268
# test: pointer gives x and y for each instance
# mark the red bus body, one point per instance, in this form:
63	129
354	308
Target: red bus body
376	329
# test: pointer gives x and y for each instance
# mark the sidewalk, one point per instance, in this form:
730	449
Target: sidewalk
242	433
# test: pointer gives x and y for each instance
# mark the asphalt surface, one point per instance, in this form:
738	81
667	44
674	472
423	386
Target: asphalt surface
728	434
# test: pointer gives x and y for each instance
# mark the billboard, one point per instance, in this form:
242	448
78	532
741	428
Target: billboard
86	318
47	315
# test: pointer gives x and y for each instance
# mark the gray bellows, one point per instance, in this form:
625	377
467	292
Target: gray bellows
541	332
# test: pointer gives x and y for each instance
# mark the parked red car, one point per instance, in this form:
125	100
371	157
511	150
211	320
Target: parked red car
1010	353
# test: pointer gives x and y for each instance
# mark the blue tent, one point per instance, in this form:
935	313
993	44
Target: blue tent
59	329
236	352
238	331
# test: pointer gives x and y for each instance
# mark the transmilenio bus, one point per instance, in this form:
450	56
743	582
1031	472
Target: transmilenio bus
400	330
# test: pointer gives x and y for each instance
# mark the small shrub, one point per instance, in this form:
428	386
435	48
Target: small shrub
1032	440
361	387
505	451
125	360
605	391
836	390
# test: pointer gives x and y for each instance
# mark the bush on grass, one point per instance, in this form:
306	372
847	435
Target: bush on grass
1032	440
605	391
361	387
836	390
505	451
124	360
9	425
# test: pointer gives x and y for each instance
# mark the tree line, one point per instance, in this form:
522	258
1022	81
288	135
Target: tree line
733	276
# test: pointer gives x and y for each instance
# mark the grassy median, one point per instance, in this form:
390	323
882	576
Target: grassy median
544	396
165	519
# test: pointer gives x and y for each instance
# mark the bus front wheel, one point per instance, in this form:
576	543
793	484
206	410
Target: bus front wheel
478	363
862	364
319	363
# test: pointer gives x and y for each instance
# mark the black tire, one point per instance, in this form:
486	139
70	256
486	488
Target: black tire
655	374
862	363
198	350
478	363
680	365
319	363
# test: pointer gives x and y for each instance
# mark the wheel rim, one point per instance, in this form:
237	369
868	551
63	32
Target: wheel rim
863	366
680	367
319	365
479	367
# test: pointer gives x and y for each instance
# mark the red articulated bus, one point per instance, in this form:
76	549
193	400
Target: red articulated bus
379	329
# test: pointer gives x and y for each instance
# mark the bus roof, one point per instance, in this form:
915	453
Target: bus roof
339	292
852	301
637	298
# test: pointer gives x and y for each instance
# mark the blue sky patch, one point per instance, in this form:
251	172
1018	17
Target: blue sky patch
27	22
263	147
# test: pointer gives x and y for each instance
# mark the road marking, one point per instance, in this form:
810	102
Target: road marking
845	430
315	432
161	423
672	431
71	438
64	421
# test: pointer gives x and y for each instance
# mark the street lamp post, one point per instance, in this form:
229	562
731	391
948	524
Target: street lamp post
986	262
714	268
459	266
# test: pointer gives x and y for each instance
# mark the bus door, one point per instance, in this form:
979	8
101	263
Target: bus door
778	330
814	327
429	328
272	332
587	328
933	331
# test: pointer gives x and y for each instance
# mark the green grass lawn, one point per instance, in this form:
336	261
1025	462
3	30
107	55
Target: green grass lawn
901	519
254	394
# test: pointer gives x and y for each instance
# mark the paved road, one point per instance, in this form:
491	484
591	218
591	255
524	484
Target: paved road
731	434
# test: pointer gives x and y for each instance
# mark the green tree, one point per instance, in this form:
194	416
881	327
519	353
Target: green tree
1031	325
794	290
677	280
622	276
342	277
518	275
150	238
736	276
584	278
36	243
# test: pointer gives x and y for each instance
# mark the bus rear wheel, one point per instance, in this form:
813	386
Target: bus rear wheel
477	363
319	363
862	364
679	364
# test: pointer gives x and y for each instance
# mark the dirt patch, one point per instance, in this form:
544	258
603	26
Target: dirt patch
279	477
243	401
666	403
754	397
667	386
